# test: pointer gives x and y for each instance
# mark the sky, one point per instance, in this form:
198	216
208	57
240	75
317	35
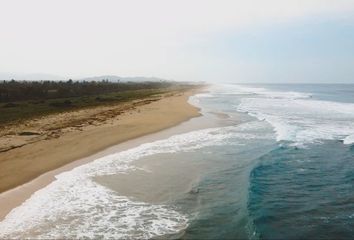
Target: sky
280	41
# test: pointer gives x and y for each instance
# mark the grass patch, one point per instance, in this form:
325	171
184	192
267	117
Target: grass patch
18	111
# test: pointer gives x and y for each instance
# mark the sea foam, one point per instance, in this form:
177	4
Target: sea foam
298	118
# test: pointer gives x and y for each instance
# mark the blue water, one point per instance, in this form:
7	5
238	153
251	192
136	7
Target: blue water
304	193
296	184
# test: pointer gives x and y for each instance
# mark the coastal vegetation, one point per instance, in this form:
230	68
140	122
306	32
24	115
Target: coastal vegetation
20	100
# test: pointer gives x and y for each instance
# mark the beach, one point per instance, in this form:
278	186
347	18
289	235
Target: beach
225	174
27	168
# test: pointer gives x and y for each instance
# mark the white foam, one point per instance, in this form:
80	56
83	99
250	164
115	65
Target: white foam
231	89
75	206
204	95
303	120
349	139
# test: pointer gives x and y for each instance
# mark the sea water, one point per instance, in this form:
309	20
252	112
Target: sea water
275	162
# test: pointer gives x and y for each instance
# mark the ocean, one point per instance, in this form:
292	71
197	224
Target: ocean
265	162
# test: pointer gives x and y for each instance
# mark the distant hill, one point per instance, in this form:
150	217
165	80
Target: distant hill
52	77
30	77
113	78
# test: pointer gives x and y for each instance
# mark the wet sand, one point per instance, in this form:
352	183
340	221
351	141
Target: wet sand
159	179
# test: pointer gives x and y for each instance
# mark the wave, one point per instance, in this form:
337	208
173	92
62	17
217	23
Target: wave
231	89
349	139
75	206
299	119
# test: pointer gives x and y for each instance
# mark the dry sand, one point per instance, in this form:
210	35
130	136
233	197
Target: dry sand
42	153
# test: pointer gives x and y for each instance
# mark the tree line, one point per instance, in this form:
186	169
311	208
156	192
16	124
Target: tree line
40	90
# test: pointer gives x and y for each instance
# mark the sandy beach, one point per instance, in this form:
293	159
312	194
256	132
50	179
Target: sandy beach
80	138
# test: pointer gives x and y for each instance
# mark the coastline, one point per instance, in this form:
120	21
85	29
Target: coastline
134	127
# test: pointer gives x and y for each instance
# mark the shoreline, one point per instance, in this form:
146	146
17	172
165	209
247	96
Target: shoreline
14	197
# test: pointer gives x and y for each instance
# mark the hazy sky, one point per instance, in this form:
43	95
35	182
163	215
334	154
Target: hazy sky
219	40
